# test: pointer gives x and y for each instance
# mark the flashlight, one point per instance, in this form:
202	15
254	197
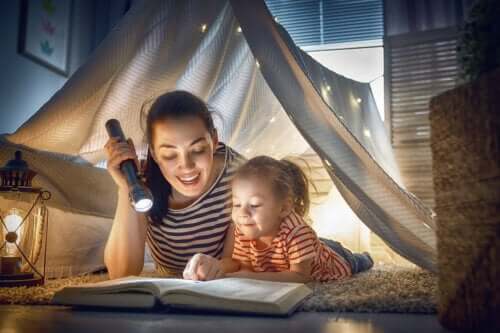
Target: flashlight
139	194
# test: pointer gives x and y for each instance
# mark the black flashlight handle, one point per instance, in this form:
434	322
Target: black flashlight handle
127	167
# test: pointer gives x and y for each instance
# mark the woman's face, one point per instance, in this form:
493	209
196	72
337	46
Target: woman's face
184	151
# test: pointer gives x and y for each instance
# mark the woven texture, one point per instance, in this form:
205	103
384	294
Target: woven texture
466	167
383	289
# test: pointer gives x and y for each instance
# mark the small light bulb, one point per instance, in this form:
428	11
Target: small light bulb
328	88
239	29
203	28
13	220
272	120
359	100
257	63
276	19
367	133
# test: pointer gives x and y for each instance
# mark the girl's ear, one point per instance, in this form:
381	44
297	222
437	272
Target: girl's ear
286	208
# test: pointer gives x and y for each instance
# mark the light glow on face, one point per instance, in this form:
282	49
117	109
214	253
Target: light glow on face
256	210
184	150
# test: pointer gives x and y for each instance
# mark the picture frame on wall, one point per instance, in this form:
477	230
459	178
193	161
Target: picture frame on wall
45	33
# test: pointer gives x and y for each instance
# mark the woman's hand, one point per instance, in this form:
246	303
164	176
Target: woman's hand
202	267
117	152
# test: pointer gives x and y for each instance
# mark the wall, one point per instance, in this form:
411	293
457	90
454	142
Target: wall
25	85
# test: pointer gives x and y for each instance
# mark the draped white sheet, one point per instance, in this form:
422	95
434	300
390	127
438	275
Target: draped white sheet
198	46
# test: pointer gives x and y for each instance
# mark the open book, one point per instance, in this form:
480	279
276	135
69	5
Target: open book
223	295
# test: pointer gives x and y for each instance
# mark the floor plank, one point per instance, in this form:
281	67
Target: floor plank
24	319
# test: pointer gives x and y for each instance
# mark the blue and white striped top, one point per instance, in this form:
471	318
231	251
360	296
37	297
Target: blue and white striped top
199	228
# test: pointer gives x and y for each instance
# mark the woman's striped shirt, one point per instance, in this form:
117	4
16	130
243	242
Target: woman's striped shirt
199	228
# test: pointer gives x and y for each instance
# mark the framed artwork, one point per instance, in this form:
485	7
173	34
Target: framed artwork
44	33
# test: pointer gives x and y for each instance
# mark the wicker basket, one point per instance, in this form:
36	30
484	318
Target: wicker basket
465	142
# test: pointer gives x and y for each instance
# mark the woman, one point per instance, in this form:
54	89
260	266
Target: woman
188	172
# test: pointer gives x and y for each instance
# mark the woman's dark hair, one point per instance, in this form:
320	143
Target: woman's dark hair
172	105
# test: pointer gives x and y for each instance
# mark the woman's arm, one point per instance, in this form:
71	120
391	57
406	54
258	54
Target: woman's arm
124	252
298	273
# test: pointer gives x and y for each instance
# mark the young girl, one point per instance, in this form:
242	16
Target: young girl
272	241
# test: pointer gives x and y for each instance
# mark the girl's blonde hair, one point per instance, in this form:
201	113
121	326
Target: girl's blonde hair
287	179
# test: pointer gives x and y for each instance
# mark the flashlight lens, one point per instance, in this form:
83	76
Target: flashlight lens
143	205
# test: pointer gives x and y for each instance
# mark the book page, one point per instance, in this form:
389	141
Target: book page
154	286
239	289
168	284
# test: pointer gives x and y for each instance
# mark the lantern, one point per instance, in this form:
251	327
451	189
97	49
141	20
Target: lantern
23	226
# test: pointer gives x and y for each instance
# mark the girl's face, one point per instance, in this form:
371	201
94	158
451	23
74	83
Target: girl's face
184	151
256	210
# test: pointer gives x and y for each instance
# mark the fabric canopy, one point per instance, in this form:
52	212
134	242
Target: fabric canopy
263	90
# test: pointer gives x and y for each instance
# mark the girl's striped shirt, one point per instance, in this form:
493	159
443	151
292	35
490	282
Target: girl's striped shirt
294	243
199	228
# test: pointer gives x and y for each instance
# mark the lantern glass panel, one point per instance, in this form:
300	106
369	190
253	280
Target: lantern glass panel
23	235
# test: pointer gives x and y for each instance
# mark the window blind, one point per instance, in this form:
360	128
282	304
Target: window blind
318	22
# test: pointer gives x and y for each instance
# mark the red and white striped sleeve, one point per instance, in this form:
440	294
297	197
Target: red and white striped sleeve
241	247
301	243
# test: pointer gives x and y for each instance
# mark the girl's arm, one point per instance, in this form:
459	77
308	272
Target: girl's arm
202	267
300	272
227	263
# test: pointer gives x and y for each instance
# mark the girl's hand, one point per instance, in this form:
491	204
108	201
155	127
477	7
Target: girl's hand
117	152
202	267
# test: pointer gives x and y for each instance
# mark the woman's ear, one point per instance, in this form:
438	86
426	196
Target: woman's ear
151	151
215	139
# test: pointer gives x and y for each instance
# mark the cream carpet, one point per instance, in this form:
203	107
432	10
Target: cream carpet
382	289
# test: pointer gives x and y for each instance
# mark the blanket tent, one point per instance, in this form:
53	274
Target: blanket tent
244	64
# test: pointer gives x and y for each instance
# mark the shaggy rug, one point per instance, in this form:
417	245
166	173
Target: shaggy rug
381	289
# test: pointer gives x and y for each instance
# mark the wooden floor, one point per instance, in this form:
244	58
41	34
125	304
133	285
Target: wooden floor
17	319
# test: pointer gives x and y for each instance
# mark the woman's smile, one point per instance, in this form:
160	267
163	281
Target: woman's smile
189	180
